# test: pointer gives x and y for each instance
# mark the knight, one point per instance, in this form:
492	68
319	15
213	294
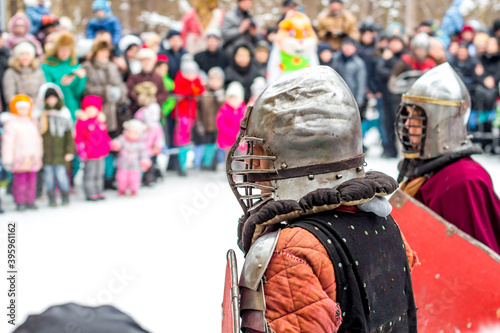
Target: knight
437	168
323	253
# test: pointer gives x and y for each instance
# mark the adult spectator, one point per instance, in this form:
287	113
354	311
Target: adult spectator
148	59
104	80
496	29
261	54
336	23
129	46
174	52
239	27
4	64
427	27
464	65
418	59
24	75
203	17
61	67
491	60
366	51
214	56
390	57
352	69
242	69
104	20
286	7
37	11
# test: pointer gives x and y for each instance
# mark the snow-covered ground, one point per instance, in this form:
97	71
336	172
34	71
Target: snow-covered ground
159	257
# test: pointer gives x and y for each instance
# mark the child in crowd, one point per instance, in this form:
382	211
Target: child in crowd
161	68
132	158
230	115
19	27
56	128
258	86
153	136
206	129
188	85
93	144
22	151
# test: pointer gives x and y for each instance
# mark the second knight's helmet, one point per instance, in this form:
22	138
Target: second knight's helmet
309	125
442	103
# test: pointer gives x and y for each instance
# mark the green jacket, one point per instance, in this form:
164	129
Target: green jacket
58	138
54	70
169	104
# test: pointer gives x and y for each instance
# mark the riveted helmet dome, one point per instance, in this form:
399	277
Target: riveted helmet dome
309	126
444	105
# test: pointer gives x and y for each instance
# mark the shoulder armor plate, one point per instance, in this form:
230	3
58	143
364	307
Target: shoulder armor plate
257	259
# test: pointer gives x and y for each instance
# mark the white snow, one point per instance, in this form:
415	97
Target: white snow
159	257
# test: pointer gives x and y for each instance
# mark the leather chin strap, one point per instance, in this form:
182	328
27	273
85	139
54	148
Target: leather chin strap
318	169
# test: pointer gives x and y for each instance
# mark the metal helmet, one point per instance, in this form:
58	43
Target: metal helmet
439	104
309	126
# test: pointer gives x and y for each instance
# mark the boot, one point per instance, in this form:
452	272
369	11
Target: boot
108	185
52	198
65	198
31	206
21	207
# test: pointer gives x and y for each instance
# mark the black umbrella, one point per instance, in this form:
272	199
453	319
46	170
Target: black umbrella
80	319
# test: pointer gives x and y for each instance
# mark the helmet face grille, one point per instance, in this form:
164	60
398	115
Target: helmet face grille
249	194
411	128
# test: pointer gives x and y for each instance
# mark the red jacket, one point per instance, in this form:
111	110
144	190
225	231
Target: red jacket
186	107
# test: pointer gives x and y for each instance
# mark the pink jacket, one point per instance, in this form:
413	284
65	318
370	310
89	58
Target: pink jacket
228	123
153	136
92	139
22	148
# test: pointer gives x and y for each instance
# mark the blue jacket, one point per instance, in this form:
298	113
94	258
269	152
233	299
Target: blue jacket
35	15
111	24
451	23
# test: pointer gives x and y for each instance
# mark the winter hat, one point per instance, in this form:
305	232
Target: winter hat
128	41
262	45
324	46
216	71
20	101
188	65
66	23
83	47
101	5
92	100
161	59
348	40
25	47
51	92
172	33
19	19
235	89
332	1
146	54
135	125
258	86
214	33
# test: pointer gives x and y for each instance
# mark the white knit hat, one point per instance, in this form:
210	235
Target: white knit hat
146	54
135	125
24	47
235	89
